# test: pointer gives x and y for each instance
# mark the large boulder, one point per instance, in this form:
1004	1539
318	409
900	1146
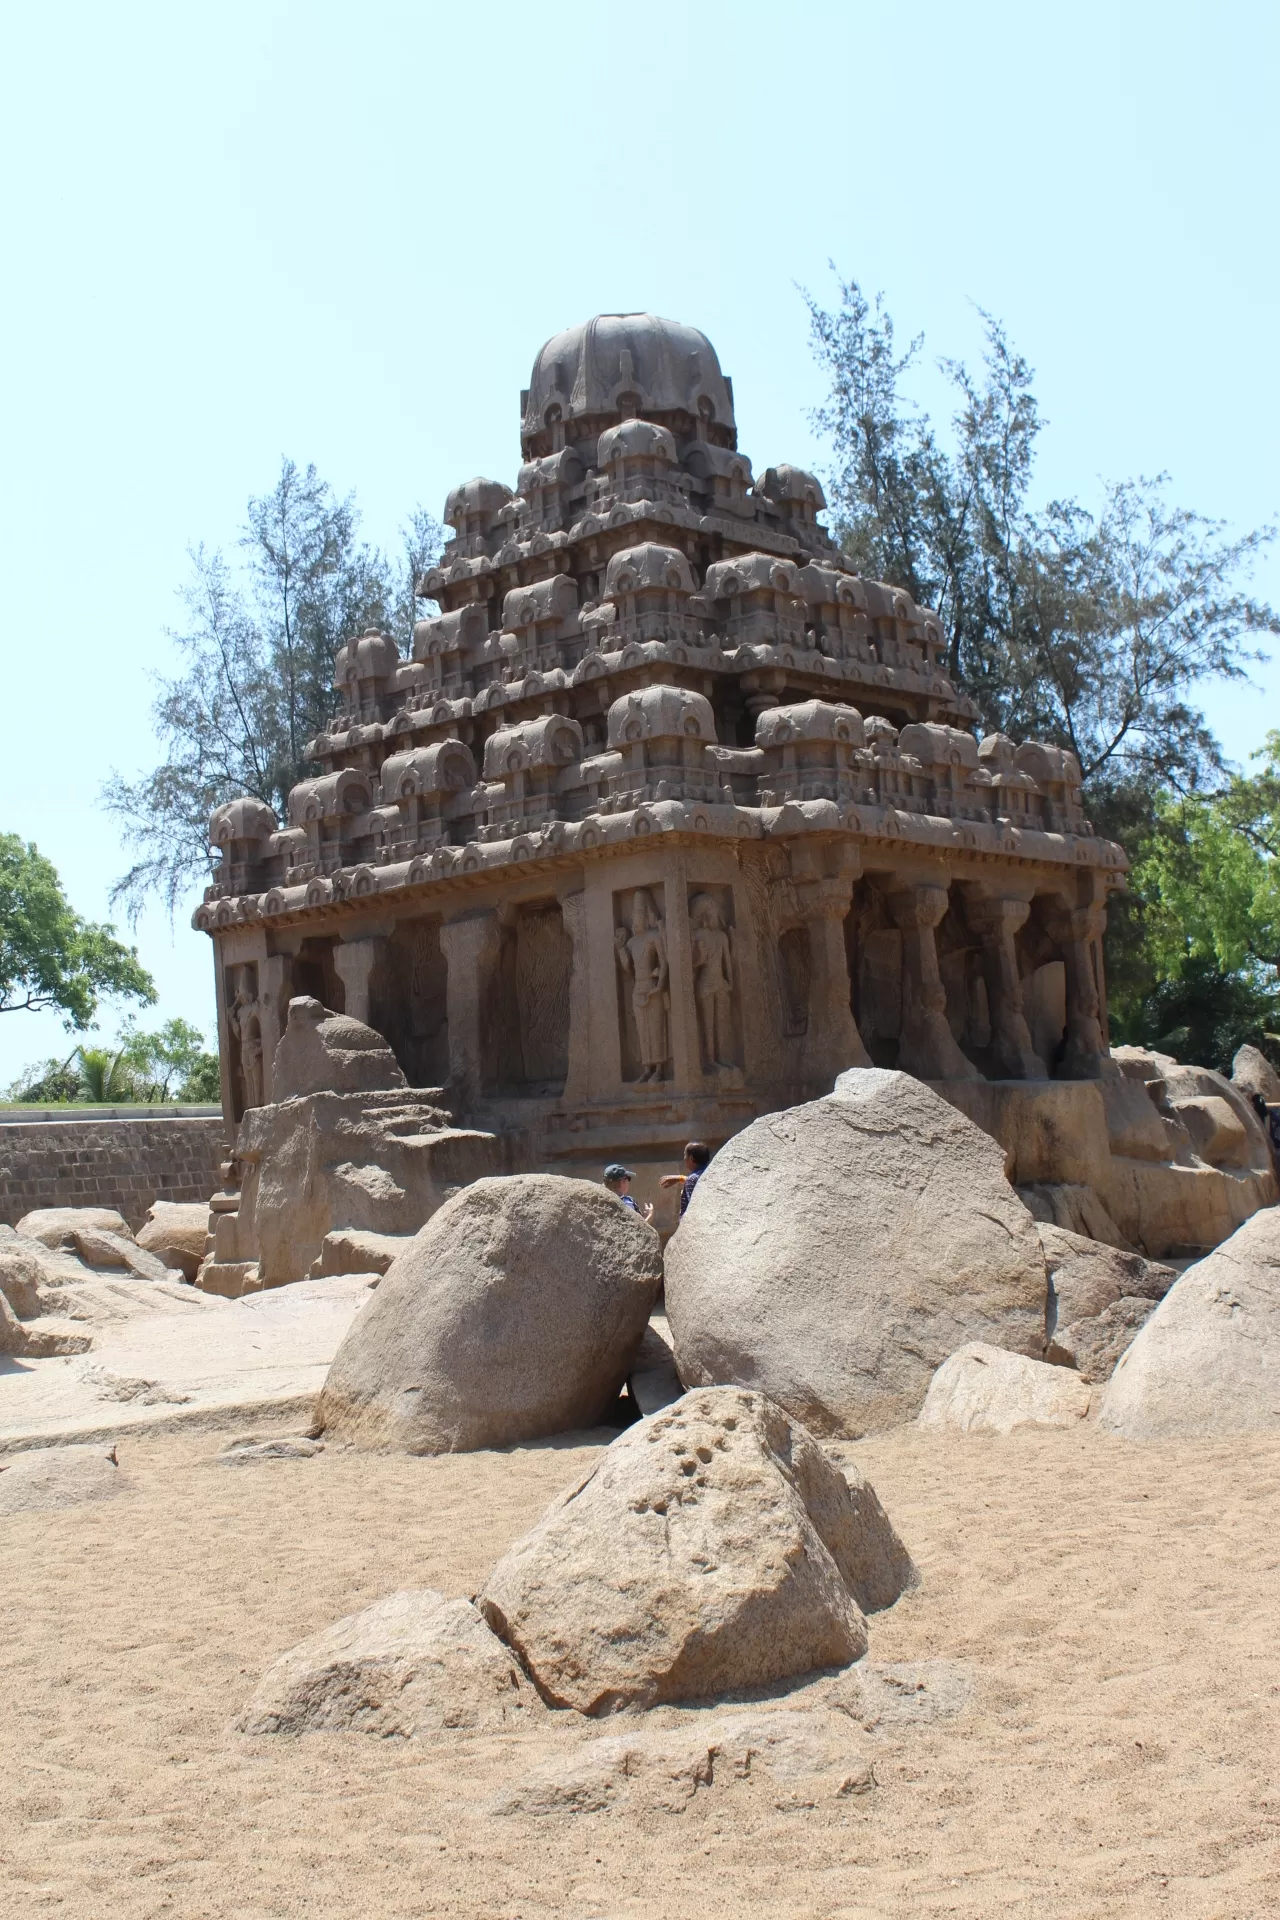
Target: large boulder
713	1547
411	1665
323	1052
1207	1362
984	1389
98	1248
836	1253
176	1233
514	1313
1253	1073
56	1226
358	1250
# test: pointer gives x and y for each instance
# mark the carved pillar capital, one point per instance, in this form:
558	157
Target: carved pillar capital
996	915
920	906
823	898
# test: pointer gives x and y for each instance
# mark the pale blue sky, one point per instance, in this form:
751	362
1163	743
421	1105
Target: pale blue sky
342	233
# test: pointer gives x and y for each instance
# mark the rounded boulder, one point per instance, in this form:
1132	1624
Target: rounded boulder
515	1313
836	1253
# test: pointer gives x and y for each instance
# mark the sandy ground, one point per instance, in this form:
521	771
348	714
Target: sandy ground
1116	1607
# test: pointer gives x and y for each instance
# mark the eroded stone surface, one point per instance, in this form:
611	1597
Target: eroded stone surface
48	1478
513	1314
834	1254
1085	1276
1208	1359
176	1234
55	1225
803	1756
411	1665
713	1547
983	1389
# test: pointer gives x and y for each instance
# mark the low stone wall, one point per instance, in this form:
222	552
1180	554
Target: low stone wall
99	1162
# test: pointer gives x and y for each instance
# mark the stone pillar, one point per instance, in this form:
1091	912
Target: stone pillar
996	921
1077	929
354	961
832	1041
273	999
471	947
573	908
928	1047
686	1048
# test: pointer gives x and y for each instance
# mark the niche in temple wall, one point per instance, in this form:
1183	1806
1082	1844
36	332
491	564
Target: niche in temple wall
409	1003
643	983
1044	983
541	955
795	971
314	974
960	965
873	947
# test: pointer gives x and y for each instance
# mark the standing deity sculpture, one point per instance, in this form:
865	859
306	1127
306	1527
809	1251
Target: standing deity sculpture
242	1017
712	982
644	958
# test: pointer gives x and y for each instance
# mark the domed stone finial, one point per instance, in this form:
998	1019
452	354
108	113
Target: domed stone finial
619	365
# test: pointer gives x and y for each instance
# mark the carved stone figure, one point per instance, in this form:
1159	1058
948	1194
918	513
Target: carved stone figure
245	1023
644	958
712	981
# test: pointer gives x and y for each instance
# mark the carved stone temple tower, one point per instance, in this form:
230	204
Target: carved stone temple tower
671	817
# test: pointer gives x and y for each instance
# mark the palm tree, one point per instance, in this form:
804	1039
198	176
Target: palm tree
105	1078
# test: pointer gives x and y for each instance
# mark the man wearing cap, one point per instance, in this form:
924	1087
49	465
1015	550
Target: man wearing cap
618	1180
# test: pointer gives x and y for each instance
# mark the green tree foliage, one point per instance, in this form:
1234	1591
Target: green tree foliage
49	956
1091	631
1206	892
170	1064
105	1079
50	1083
255	680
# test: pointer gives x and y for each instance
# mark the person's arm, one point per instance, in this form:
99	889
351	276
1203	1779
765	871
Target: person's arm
671	1180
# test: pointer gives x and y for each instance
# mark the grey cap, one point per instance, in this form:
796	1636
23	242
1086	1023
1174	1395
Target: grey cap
617	1172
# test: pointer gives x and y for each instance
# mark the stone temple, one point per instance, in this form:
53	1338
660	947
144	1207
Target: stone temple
670	818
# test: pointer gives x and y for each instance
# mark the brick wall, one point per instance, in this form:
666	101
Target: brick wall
124	1164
